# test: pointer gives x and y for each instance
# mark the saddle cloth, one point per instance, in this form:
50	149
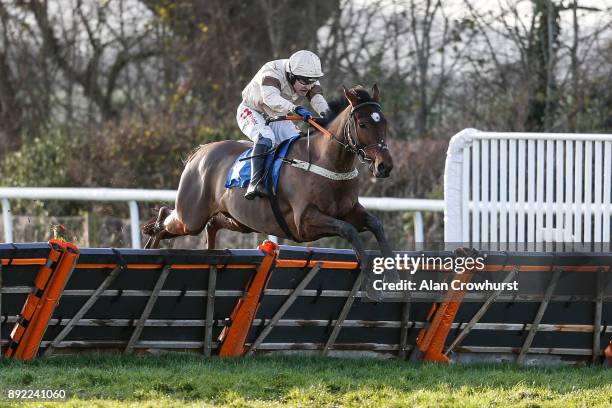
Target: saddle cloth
239	174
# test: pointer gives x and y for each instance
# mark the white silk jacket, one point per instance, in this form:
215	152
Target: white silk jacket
271	93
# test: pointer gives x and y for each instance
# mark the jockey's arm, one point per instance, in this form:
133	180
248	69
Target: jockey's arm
317	101
271	95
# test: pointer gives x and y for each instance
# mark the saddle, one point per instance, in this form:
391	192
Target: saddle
239	175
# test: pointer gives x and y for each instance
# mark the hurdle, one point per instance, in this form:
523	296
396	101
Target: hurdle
537	207
131	300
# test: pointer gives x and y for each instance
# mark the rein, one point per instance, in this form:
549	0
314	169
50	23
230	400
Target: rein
351	145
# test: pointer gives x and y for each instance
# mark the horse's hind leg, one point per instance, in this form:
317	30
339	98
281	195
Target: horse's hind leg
156	230
153	241
218	222
175	226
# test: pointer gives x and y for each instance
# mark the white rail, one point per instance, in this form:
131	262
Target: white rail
528	187
133	196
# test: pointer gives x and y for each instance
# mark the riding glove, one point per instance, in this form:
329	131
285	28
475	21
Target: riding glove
303	112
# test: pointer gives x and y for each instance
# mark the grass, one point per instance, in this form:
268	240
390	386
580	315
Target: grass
190	380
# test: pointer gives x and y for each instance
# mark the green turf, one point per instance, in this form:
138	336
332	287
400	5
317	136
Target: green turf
190	380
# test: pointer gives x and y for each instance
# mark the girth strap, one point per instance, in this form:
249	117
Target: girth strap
279	216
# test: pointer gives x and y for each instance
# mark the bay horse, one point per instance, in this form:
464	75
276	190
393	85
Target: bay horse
313	206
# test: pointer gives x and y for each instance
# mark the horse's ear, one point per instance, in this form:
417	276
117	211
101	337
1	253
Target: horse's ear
351	96
375	93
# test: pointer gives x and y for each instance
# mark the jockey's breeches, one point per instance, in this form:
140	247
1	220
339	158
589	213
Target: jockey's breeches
253	125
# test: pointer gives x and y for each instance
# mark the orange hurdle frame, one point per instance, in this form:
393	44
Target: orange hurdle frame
41	302
233	337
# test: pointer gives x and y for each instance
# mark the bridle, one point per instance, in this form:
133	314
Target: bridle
349	141
350	136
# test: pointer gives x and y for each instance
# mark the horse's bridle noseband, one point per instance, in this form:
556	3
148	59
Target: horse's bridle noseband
350	141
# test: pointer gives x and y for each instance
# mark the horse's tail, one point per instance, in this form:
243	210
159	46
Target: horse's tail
192	154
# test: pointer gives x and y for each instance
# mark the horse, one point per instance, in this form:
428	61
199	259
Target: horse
312	206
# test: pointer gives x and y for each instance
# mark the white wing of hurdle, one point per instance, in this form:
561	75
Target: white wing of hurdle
528	187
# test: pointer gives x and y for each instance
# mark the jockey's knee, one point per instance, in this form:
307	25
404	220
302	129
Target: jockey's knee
265	140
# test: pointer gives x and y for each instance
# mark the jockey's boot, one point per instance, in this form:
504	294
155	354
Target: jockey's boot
257	186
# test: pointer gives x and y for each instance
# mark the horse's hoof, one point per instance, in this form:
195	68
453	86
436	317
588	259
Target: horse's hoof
374	295
369	291
391	275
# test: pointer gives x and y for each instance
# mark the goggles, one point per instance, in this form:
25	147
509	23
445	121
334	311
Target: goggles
305	80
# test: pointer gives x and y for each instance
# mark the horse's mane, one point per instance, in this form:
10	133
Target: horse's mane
338	104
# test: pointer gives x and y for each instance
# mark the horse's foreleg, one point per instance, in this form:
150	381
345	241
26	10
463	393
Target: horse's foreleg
363	220
376	226
314	224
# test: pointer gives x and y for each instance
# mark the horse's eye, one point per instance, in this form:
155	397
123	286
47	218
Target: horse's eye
361	124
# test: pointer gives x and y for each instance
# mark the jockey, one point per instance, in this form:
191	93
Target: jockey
274	91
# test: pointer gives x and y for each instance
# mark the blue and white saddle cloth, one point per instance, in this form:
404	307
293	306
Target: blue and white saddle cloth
239	174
